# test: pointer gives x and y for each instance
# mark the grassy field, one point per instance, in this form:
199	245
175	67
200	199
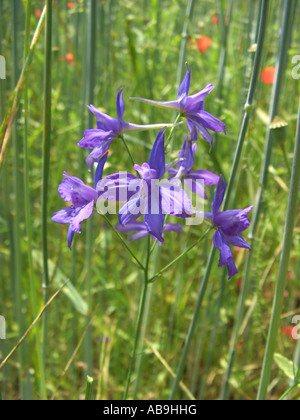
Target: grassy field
77	313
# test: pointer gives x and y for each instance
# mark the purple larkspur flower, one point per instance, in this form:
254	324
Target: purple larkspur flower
82	199
147	195
192	108
141	230
228	226
108	129
192	179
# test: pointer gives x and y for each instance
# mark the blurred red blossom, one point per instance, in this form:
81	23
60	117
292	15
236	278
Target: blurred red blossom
70	58
38	13
268	75
215	19
70	5
204	43
287	330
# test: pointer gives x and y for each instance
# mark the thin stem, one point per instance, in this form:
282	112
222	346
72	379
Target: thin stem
91	63
89	388
46	160
170	136
128	150
123	242
179	257
28	220
283	269
140	320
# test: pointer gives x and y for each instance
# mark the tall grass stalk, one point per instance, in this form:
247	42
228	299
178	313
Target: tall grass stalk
17	284
40	374
281	65
283	269
234	170
46	161
91	65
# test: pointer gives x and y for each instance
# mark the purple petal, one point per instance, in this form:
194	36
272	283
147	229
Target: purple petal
194	126
185	85
81	215
104	121
208	177
98	153
157	157
226	257
70	237
74	191
187	153
139	235
155	225
231	222
94	138
172	227
138	226
145	171
210	122
238	241
119	187
99	170
63	216
219	195
120	104
194	103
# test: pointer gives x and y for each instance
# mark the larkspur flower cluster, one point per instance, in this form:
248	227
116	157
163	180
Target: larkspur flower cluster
157	189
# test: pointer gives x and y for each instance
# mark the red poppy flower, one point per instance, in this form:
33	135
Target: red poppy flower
268	75
70	5
287	330
204	43
38	13
70	58
215	19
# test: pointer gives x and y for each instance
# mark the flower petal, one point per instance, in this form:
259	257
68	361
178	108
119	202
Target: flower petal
211	122
238	241
104	121
185	85
98	153
94	138
132	210
208	177
155	225
70	237
231	222
119	187
219	195
226	257
99	170
172	227
157	157
74	191
81	215
63	216
195	102
120	104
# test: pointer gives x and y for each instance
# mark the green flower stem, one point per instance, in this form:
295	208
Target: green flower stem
89	388
281	65
283	269
128	150
170	136
140	265
28	219
237	158
140	320
179	257
46	161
